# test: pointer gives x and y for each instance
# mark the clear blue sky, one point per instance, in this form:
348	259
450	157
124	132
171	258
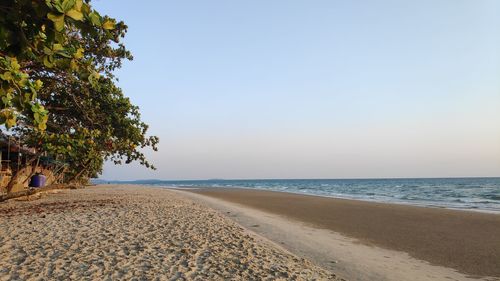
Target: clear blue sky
314	89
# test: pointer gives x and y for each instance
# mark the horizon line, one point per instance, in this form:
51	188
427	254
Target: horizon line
256	179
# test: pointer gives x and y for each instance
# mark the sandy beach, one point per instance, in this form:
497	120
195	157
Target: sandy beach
128	232
135	233
458	244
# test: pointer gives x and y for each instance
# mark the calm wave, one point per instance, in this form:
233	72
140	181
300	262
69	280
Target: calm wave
482	194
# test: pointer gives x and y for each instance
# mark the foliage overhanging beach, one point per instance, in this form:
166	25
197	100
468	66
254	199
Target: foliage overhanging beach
61	110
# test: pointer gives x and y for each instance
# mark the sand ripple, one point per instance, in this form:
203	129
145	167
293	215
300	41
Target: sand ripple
135	233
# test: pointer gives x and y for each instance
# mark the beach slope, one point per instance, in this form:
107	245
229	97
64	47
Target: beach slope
135	233
463	241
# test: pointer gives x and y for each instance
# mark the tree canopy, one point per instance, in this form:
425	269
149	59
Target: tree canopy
57	87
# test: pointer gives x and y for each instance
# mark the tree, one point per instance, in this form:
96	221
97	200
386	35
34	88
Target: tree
57	87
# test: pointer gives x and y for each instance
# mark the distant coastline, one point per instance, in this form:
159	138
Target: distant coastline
99	180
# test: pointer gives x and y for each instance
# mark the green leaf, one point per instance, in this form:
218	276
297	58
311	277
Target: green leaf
93	77
63	54
57	47
74	14
38	84
7	76
42	35
58	6
108	24
95	18
54	17
60	37
78	5
79	53
73	65
10	121
67	5
5	100
42	126
48	3
14	65
58	20
47	61
85	8
47	51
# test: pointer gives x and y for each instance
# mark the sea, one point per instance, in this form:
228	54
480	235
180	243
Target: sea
478	194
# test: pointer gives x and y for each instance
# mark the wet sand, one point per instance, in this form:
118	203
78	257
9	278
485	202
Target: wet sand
466	241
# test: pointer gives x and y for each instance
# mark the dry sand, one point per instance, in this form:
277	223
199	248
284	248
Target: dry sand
466	241
135	233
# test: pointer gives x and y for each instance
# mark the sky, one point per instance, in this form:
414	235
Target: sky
313	89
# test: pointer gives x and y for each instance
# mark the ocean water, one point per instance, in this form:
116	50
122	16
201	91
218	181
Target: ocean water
480	194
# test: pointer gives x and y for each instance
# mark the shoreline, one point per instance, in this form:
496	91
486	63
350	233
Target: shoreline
403	203
463	240
347	257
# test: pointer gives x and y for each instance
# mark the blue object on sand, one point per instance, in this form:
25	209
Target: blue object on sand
37	180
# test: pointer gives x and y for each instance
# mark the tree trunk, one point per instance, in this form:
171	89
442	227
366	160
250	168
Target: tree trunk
33	170
15	177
